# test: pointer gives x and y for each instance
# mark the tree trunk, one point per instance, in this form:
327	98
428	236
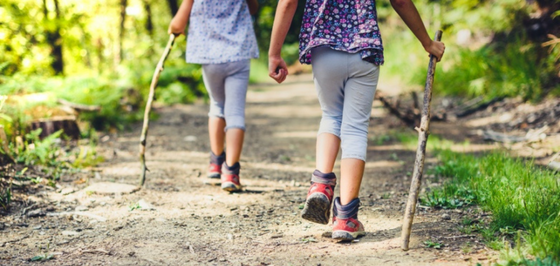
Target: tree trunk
54	39
149	24
173	7
123	5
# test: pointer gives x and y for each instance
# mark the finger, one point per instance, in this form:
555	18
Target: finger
281	75
284	74
273	75
276	78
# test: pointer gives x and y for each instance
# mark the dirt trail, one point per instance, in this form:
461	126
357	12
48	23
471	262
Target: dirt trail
193	223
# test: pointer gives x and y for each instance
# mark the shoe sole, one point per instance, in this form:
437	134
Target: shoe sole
230	187
347	236
214	175
317	209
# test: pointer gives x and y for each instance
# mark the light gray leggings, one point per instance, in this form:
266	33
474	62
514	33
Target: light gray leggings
227	87
346	87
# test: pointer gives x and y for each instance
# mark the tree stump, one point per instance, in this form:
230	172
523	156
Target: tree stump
51	125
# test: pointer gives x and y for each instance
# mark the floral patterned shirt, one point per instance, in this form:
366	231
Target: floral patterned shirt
344	25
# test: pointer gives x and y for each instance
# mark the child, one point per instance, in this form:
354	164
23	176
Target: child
341	40
222	39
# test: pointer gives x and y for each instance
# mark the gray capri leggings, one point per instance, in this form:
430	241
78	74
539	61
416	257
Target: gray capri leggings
227	87
346	87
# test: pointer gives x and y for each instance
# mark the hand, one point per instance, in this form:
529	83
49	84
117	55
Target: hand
176	28
436	49
277	68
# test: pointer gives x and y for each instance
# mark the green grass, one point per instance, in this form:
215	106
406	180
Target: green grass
518	194
410	141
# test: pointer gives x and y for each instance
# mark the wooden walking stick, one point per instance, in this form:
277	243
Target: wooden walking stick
153	85
423	132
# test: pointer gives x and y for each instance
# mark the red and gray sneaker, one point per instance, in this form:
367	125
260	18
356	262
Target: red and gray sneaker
230	177
215	167
317	207
346	226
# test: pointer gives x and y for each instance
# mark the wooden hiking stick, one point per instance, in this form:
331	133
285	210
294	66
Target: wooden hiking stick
153	85
423	132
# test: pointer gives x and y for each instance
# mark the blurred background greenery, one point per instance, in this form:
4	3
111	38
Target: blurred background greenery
104	52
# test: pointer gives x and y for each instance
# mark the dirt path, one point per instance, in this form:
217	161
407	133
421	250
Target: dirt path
196	224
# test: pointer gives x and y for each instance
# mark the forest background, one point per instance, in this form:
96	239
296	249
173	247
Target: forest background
101	52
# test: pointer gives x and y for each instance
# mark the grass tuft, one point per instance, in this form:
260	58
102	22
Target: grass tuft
519	194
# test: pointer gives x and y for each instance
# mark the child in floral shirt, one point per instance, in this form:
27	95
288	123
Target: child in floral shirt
341	40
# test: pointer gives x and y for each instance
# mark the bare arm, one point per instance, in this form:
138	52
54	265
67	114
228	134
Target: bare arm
253	6
409	14
282	21
179	22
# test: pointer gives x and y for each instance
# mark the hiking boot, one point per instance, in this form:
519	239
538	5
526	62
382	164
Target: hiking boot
317	207
215	167
230	177
346	226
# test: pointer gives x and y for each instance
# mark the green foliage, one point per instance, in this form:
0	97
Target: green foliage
5	195
38	152
433	244
180	84
512	70
259	70
43	256
380	139
548	261
102	67
308	239
410	140
520	196
450	197
263	27
489	50
134	206
121	99
48	152
86	157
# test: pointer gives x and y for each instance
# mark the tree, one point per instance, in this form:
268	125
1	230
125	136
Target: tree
53	37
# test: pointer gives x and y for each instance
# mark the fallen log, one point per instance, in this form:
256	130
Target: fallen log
475	105
79	107
531	136
554	166
407	118
411	117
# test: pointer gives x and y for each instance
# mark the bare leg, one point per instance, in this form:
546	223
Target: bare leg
234	145
216	132
327	149
352	171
